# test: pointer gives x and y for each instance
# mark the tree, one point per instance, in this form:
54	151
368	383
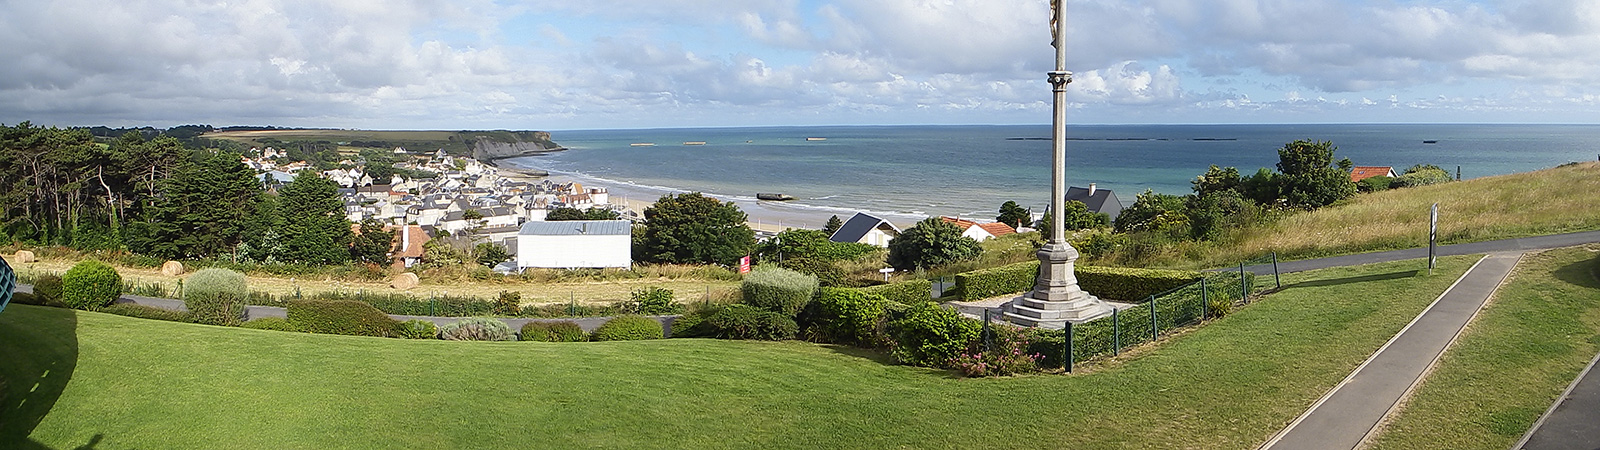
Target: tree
563	213
1152	212
490	253
1076	217
1217	179
471	214
204	211
601	214
833	225
315	230
694	229
373	244
1310	180
931	243
1014	215
1263	187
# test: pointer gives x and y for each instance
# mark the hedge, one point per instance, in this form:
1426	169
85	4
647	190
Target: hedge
852	317
629	328
270	323
216	296
476	329
782	291
749	323
560	331
47	289
147	312
348	317
407	305
1112	283
926	334
905	292
416	329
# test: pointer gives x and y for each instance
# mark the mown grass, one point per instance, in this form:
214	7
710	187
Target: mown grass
1549	201
1516	357
147	384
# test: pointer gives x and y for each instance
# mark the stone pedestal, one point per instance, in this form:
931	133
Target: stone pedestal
1056	298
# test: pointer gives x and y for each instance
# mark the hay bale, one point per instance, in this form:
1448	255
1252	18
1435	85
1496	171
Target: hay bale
23	257
172	268
405	281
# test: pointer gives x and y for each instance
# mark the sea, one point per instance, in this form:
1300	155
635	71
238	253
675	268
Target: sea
906	173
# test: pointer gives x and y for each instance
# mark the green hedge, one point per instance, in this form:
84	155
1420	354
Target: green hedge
778	290
47	289
348	317
926	334
1112	283
406	305
416	329
561	331
270	323
147	312
476	329
905	292
746	322
629	328
90	285
852	317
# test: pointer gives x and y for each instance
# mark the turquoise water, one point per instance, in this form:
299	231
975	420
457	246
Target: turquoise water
911	172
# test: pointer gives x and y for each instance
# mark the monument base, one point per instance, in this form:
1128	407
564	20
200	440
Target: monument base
1056	298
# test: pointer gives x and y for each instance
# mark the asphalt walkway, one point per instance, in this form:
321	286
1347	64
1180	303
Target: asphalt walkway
1348	413
1573	422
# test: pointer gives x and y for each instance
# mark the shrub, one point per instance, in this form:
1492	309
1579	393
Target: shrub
827	273
508	303
1374	184
90	285
694	325
147	312
476	329
849	316
926	334
652	301
779	290
48	289
347	317
1007	279
931	243
1131	284
745	322
216	296
562	331
628	328
1008	355
416	329
270	323
905	292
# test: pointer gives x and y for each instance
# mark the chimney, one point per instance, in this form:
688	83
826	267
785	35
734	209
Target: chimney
405	238
1091	189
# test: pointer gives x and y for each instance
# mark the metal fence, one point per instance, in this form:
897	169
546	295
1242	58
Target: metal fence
1214	295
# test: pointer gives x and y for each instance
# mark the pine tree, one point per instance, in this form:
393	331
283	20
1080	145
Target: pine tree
695	229
315	230
833	225
204	211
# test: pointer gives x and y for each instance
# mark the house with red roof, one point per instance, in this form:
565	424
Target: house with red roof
1359	173
980	231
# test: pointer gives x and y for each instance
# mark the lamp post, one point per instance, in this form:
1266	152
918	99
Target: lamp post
1056	298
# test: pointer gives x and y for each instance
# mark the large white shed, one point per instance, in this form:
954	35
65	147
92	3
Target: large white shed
570	244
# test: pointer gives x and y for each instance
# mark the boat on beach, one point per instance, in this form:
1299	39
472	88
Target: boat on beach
774	197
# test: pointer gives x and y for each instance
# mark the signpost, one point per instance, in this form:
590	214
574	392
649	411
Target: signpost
744	264
886	271
1433	238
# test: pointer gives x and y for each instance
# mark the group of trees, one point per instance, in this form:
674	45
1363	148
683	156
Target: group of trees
162	198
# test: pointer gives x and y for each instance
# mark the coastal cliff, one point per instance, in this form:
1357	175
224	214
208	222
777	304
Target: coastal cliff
488	148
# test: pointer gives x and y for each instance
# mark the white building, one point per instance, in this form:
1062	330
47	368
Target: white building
866	229
575	244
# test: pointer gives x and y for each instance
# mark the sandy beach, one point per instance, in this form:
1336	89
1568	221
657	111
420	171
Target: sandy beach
765	216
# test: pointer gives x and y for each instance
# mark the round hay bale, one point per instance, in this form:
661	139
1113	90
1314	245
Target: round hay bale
23	257
405	281
172	268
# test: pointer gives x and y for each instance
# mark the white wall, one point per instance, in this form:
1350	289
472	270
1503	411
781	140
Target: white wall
574	251
877	237
977	233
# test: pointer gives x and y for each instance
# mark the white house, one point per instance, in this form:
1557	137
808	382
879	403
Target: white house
866	229
575	244
980	231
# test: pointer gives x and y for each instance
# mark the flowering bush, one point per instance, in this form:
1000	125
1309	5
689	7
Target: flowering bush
1008	355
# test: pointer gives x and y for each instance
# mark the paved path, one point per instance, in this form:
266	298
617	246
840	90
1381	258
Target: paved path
1504	245
1573	422
1344	417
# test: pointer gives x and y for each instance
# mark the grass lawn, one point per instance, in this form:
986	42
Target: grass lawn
1519	354
77	378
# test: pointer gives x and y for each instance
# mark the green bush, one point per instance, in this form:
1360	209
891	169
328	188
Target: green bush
90	285
778	290
416	329
850	316
1130	284
216	296
147	312
508	303
270	323
347	317
652	301
746	322
476	329
827	273
905	292
926	334
1374	184
48	289
562	331
403	304
628	328
694	325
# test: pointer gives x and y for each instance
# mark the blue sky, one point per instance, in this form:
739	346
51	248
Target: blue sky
536	64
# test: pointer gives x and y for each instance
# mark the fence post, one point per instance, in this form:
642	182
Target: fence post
1276	279
1066	360
1244	288
988	341
1116	332
1204	302
431	313
1155	330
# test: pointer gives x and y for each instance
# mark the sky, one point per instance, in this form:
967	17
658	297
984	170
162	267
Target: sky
588	64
